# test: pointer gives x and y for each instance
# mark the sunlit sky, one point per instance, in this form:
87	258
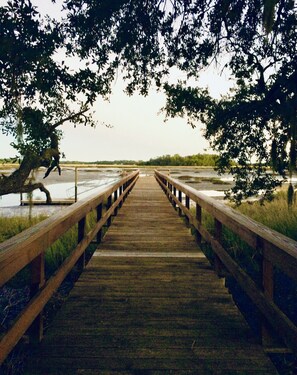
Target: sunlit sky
138	130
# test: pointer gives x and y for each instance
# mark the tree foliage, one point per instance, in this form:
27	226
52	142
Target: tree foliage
205	160
255	123
39	91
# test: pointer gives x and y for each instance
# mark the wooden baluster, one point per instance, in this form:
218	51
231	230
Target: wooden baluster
124	188
37	282
174	193
188	207
99	216
115	198
81	233
268	337
199	219
180	198
121	192
109	203
218	236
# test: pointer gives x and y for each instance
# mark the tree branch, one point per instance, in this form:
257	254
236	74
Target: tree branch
70	117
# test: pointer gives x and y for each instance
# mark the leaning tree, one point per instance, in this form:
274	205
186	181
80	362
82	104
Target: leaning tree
41	89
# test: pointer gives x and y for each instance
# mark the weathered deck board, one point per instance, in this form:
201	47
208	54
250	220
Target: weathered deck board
141	307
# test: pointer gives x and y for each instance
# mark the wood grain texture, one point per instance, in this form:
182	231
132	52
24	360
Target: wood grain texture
135	313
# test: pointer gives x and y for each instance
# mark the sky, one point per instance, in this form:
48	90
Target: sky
138	130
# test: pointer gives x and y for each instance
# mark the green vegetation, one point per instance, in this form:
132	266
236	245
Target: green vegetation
206	160
10	226
275	214
203	160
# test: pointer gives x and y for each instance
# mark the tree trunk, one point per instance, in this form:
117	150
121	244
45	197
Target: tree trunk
17	181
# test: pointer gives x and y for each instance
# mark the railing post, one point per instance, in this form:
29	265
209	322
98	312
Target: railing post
218	236
99	216
75	184
121	192
124	188
129	183
115	198
109	203
180	198
81	233
174	193
199	219
37	282
268	339
188	207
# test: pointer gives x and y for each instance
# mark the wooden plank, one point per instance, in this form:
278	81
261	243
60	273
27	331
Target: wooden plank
141	307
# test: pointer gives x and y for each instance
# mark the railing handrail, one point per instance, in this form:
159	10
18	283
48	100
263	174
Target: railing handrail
252	232
276	249
25	246
29	247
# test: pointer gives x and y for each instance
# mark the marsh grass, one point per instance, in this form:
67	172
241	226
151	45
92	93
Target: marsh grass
10	226
276	215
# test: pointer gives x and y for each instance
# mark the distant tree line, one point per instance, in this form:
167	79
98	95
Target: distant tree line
208	160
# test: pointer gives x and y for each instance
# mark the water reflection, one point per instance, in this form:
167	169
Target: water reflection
63	187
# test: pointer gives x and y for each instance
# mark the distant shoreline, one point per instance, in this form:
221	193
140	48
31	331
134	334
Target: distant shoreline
94	165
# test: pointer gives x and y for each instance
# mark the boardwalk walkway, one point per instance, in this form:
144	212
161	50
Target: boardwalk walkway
149	303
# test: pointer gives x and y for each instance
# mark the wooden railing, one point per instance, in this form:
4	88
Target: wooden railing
29	247
277	251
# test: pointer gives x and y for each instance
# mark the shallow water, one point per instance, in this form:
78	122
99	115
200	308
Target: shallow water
91	180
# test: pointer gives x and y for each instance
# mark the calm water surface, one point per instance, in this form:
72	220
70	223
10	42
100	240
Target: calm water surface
91	180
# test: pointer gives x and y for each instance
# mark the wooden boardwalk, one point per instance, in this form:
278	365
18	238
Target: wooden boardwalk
149	303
